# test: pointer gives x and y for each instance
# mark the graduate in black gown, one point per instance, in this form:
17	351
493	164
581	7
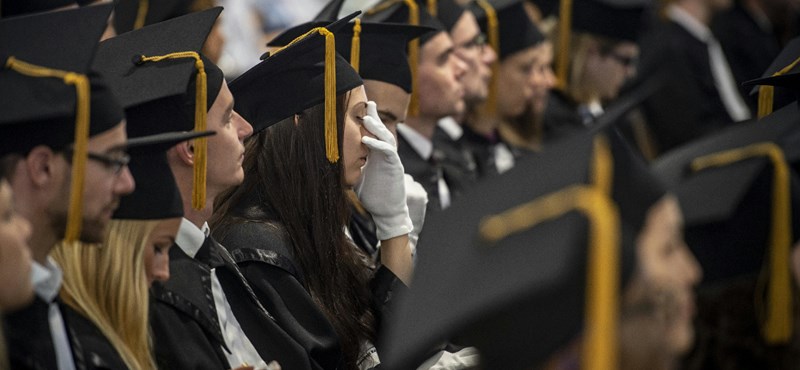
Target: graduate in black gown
67	185
285	223
206	315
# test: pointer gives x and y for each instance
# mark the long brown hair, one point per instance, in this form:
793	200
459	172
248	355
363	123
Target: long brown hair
298	188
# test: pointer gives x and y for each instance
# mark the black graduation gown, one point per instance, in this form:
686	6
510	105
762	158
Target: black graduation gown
688	105
362	230
458	164
561	118
186	332
425	172
30	344
483	150
263	251
749	48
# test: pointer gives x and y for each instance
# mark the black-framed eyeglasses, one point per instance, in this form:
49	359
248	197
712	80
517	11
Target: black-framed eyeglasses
113	163
477	42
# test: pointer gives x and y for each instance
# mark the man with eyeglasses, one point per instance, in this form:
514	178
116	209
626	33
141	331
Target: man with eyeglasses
62	142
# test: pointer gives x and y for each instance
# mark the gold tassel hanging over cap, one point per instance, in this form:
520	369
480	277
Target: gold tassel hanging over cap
564	35
200	113
602	167
766	92
493	32
778	326
433	7
331	135
600	343
80	150
413	58
355	45
141	14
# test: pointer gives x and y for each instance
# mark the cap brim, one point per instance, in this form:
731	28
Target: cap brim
164	141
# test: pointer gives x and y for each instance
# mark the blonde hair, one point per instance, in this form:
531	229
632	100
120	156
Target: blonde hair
576	86
108	285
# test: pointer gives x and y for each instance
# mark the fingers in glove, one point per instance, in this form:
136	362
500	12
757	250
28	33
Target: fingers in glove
373	124
375	144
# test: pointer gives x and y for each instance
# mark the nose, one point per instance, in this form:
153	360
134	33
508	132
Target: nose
24	227
124	182
694	272
488	55
245	129
459	67
161	268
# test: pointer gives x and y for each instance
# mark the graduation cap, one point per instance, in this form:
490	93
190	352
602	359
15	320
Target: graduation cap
157	195
50	105
783	74
740	194
618	20
134	14
329	12
407	12
446	11
377	51
509	29
535	262
163	81
12	8
305	73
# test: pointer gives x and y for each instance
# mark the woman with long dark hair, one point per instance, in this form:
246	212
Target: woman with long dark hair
285	225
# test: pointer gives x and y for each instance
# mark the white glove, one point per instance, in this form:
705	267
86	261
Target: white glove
417	201
382	190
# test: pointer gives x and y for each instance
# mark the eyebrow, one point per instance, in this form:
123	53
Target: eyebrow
445	54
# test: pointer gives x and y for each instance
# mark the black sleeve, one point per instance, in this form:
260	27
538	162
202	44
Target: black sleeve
385	286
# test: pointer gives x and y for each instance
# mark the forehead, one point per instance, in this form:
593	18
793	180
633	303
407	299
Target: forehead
437	45
466	27
388	97
109	140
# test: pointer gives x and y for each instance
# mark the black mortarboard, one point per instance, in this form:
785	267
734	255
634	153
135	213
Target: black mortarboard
740	196
49	105
329	12
11	8
306	73
517	261
446	11
157	195
134	14
163	81
780	83
515	30
407	12
618	20
378	51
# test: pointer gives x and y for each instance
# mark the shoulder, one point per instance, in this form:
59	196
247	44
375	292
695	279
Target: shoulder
261	242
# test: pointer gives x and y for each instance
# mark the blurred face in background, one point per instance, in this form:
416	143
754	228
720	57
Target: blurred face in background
471	48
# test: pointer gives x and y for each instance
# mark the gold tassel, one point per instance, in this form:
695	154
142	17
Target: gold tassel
493	32
432	7
141	14
600	348
80	152
413	58
767	92
602	167
564	35
778	326
331	137
355	45
200	117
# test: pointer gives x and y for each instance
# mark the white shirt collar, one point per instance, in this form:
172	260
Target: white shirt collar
190	238
46	279
680	16
451	127
421	144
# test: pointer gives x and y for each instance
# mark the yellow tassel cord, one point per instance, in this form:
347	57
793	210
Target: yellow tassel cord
200	112
355	45
331	137
141	14
603	277
433	7
777	328
766	92
413	58
493	31
564	35
80	152
602	166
